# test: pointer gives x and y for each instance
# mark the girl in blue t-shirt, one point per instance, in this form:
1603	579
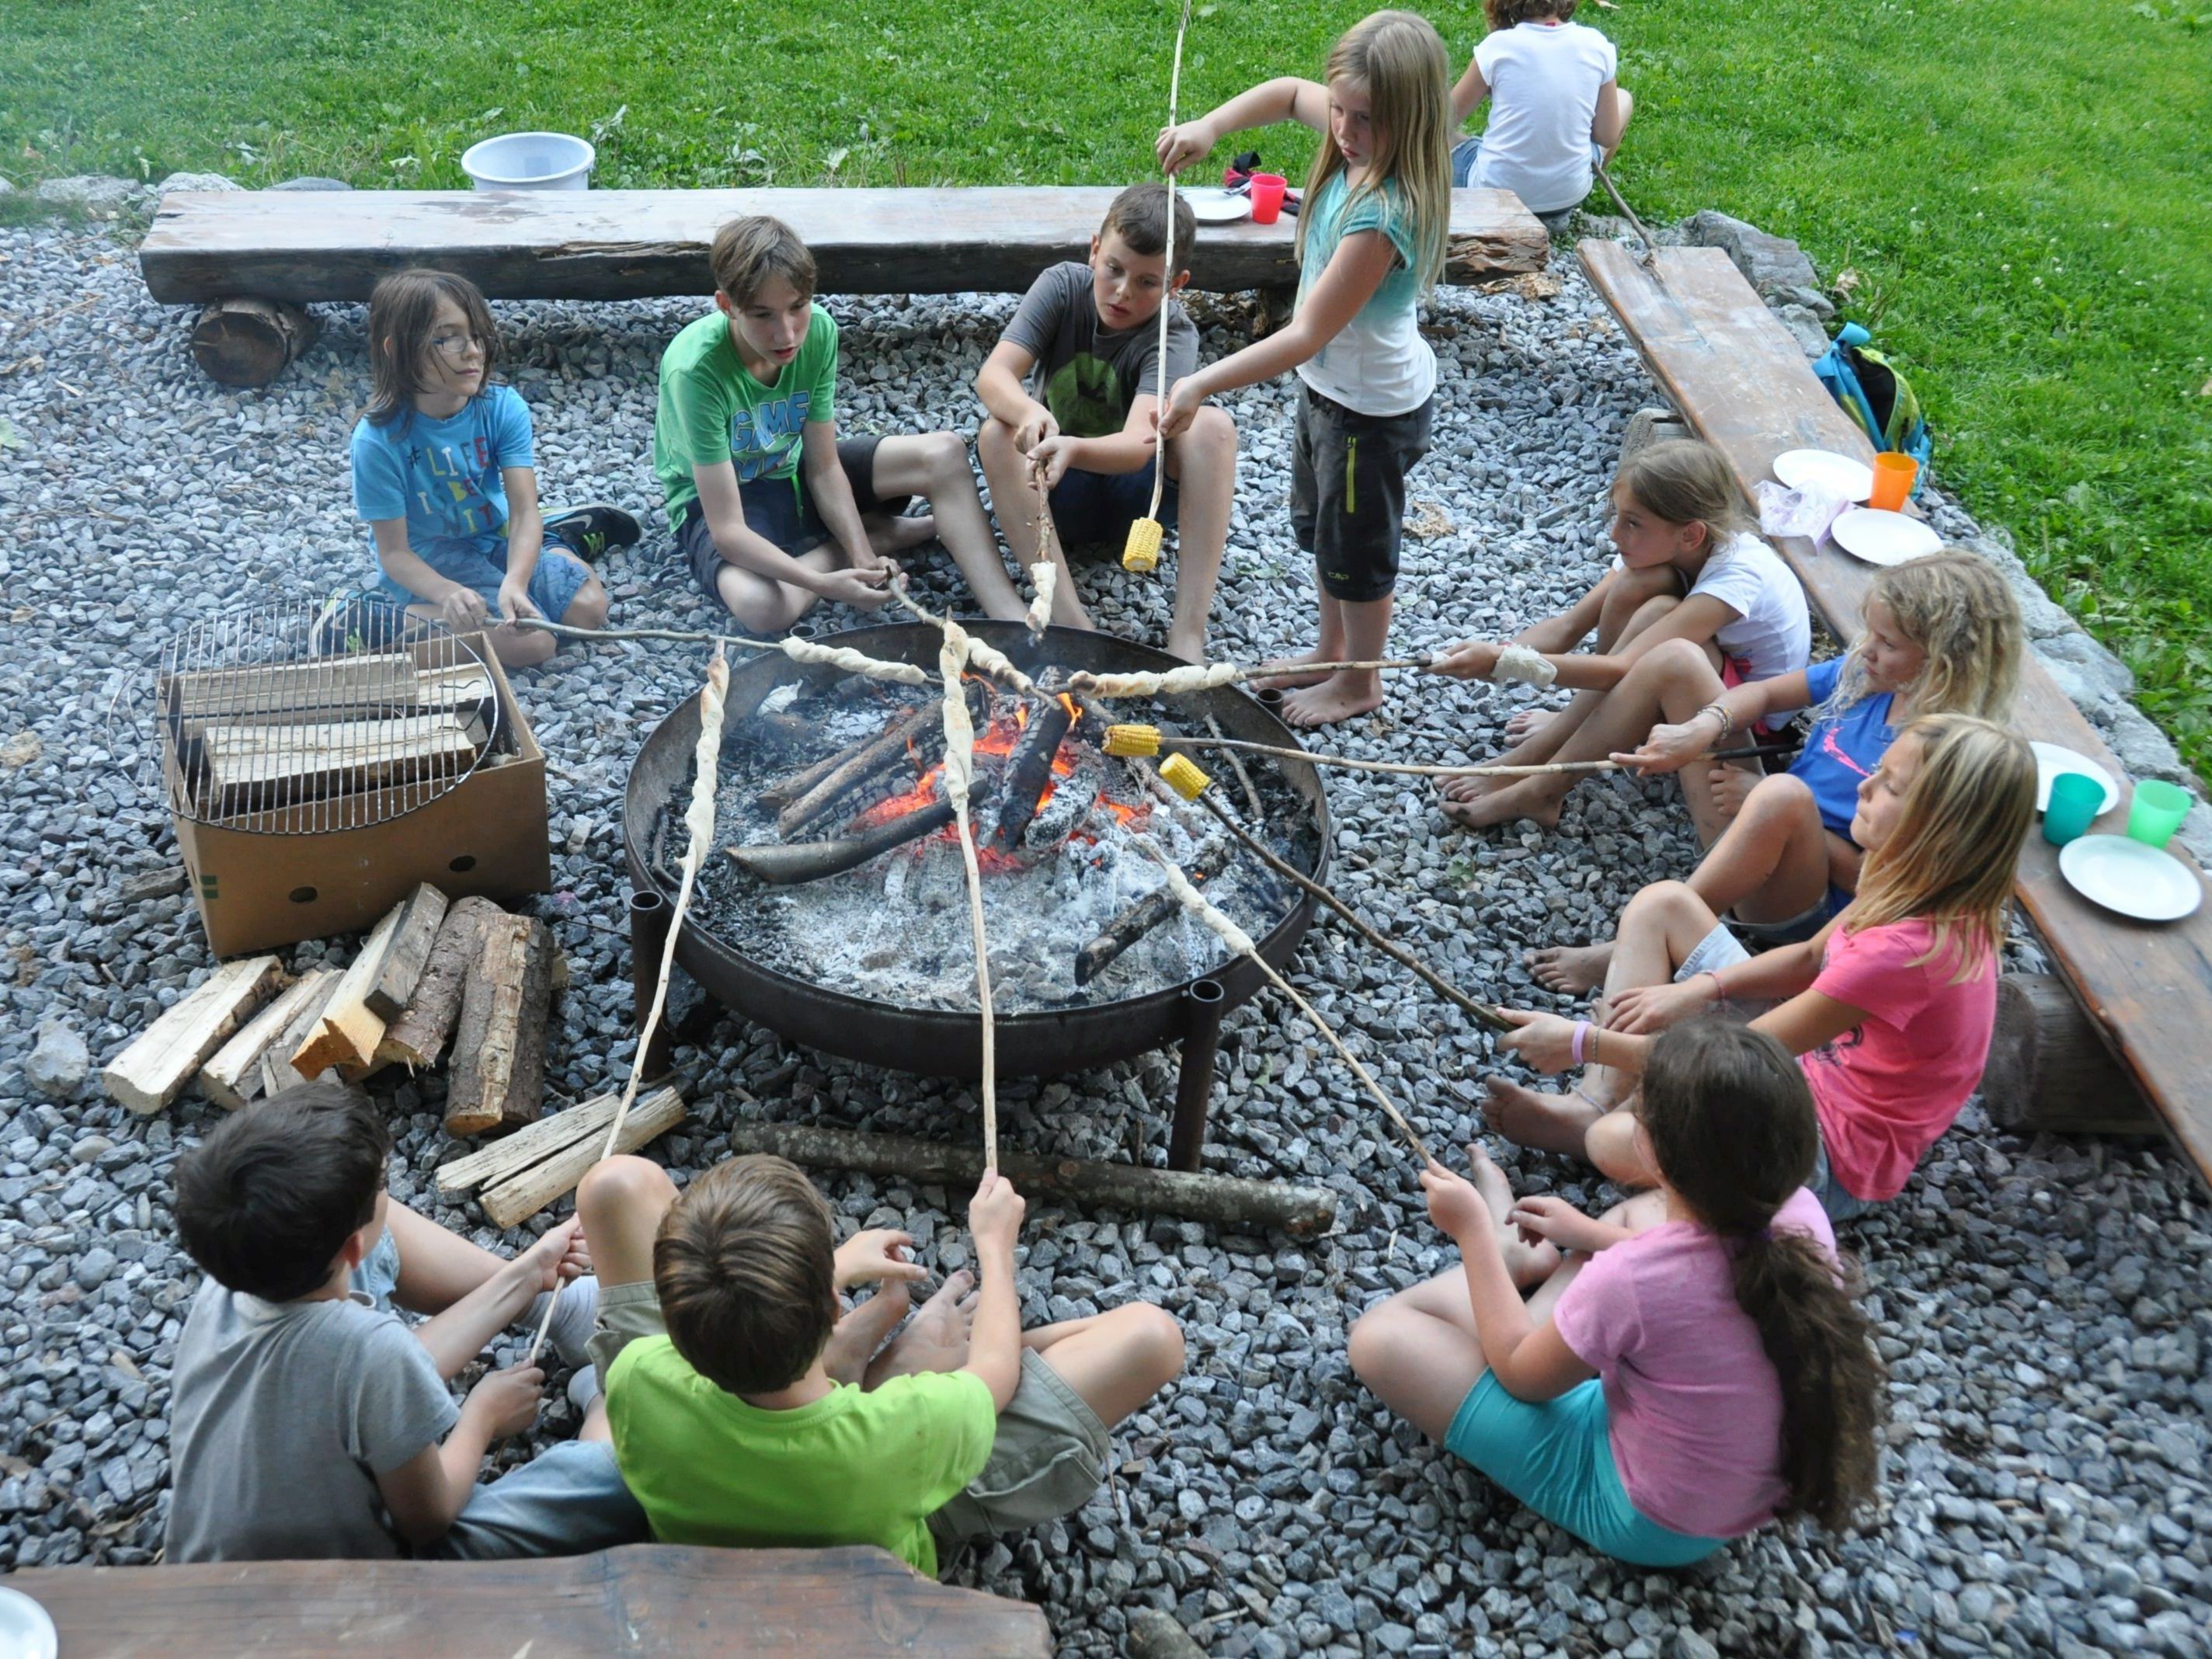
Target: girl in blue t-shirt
1370	239
1941	634
442	472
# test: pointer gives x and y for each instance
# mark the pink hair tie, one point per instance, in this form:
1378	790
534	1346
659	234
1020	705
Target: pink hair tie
1582	1030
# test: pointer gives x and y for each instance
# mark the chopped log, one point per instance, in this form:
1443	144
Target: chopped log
235	1076
521	1196
153	1070
408	953
349	1030
919	737
418	1037
814	860
279	693
245	341
497	1073
1028	772
532	1143
1225	1200
255	769
277	1072
2049	1067
1146	914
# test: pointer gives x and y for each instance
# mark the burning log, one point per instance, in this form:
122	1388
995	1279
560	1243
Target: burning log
1029	773
1146	914
920	735
816	861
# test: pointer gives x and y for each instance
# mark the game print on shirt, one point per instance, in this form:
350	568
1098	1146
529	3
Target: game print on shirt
711	408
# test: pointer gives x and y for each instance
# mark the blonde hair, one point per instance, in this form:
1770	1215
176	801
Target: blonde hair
1400	58
1961	612
1949	862
1685	481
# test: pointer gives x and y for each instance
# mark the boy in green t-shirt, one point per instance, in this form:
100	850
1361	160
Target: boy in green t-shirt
1070	388
735	1391
772	510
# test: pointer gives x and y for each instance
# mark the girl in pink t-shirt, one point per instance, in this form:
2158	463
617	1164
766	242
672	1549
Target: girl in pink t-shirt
1889	1007
1694	1365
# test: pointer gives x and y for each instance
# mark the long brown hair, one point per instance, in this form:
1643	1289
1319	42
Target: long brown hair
1949	861
1961	613
403	310
1400	58
1732	1130
1685	481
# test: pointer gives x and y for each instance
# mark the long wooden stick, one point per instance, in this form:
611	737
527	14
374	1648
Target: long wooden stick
1483	1011
1406	769
699	819
959	773
1167	305
982	655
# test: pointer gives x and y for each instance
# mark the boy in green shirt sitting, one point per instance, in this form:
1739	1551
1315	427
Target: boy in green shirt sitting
734	1389
772	510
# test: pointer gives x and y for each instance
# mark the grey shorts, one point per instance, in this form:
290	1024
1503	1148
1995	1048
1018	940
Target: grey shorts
1348	492
1046	1458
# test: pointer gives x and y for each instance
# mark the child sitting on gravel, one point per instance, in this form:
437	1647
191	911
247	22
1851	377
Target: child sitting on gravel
442	472
1890	1007
1688	569
771	509
1693	1368
1086	339
1942	635
733	1386
1555	112
306	1419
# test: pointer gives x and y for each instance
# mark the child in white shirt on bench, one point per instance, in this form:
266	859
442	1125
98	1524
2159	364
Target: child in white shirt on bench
1555	112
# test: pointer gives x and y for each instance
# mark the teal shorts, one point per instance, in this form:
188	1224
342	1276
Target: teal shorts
1556	1456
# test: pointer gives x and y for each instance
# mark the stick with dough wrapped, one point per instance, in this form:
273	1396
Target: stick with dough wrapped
852	661
1519	666
1046	574
1197	677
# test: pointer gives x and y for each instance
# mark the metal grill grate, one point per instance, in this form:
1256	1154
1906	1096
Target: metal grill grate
303	719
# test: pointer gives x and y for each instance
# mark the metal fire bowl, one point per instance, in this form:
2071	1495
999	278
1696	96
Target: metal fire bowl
935	1042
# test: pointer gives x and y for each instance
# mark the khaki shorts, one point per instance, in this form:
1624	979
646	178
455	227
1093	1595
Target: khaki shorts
1048	1456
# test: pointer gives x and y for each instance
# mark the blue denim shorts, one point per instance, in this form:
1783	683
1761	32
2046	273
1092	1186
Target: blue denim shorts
377	1276
560	576
1556	1456
1095	509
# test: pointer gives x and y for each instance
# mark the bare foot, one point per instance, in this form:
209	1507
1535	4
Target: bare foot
936	1339
1526	1264
1548	1123
1291	676
1515	800
903	533
1527	722
1189	644
855	1338
1339	697
1573	969
1465	789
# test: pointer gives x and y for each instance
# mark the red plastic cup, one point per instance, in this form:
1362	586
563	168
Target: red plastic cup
1268	189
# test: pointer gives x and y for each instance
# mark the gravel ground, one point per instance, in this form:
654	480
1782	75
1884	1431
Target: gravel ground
2045	1305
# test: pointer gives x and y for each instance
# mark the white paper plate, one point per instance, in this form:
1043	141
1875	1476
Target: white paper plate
1881	538
2128	876
2050	760
26	1632
1214	205
1829	473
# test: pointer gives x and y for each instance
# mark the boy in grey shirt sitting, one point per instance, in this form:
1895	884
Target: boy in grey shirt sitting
307	1420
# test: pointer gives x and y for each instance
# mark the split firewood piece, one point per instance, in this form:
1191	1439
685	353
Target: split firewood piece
523	1195
919	737
277	1072
235	1076
350	1028
418	1036
1146	914
282	693
408	953
497	1073
153	1070
532	1143
258	768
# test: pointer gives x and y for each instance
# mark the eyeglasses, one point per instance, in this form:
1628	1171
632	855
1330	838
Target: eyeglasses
457	346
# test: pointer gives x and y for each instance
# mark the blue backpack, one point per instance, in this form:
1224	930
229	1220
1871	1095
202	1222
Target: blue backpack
1877	396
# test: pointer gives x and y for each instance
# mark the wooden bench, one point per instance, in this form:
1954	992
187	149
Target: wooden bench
256	256
1742	383
641	1599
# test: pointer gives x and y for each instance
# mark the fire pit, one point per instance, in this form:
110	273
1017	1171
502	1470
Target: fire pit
873	962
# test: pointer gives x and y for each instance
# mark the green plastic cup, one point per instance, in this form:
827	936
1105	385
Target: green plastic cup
2075	798
2158	812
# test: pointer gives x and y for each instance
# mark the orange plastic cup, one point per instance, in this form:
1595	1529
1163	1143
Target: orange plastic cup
1893	481
1268	197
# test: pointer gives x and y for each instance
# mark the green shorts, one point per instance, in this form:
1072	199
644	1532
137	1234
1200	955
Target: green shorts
1048	1456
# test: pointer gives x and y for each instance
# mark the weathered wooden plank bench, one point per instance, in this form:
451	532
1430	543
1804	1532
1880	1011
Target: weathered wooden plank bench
1742	384
641	1599
265	254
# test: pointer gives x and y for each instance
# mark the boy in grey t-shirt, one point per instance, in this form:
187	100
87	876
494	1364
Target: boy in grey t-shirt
307	1420
1071	389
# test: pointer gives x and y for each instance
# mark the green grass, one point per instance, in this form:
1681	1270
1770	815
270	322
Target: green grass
2023	187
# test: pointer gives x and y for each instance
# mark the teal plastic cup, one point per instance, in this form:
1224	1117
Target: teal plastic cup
2158	812
2075	799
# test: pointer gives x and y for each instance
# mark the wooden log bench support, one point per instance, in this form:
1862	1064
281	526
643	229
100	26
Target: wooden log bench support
1744	386
253	257
639	1599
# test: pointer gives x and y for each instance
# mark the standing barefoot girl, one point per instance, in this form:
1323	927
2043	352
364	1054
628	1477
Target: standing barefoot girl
1696	1367
1370	240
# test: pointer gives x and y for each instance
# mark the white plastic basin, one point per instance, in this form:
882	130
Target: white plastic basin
530	161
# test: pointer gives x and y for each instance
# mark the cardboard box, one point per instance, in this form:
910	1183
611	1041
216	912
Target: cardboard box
258	889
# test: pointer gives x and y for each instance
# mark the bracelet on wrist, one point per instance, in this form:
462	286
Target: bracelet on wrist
1720	991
